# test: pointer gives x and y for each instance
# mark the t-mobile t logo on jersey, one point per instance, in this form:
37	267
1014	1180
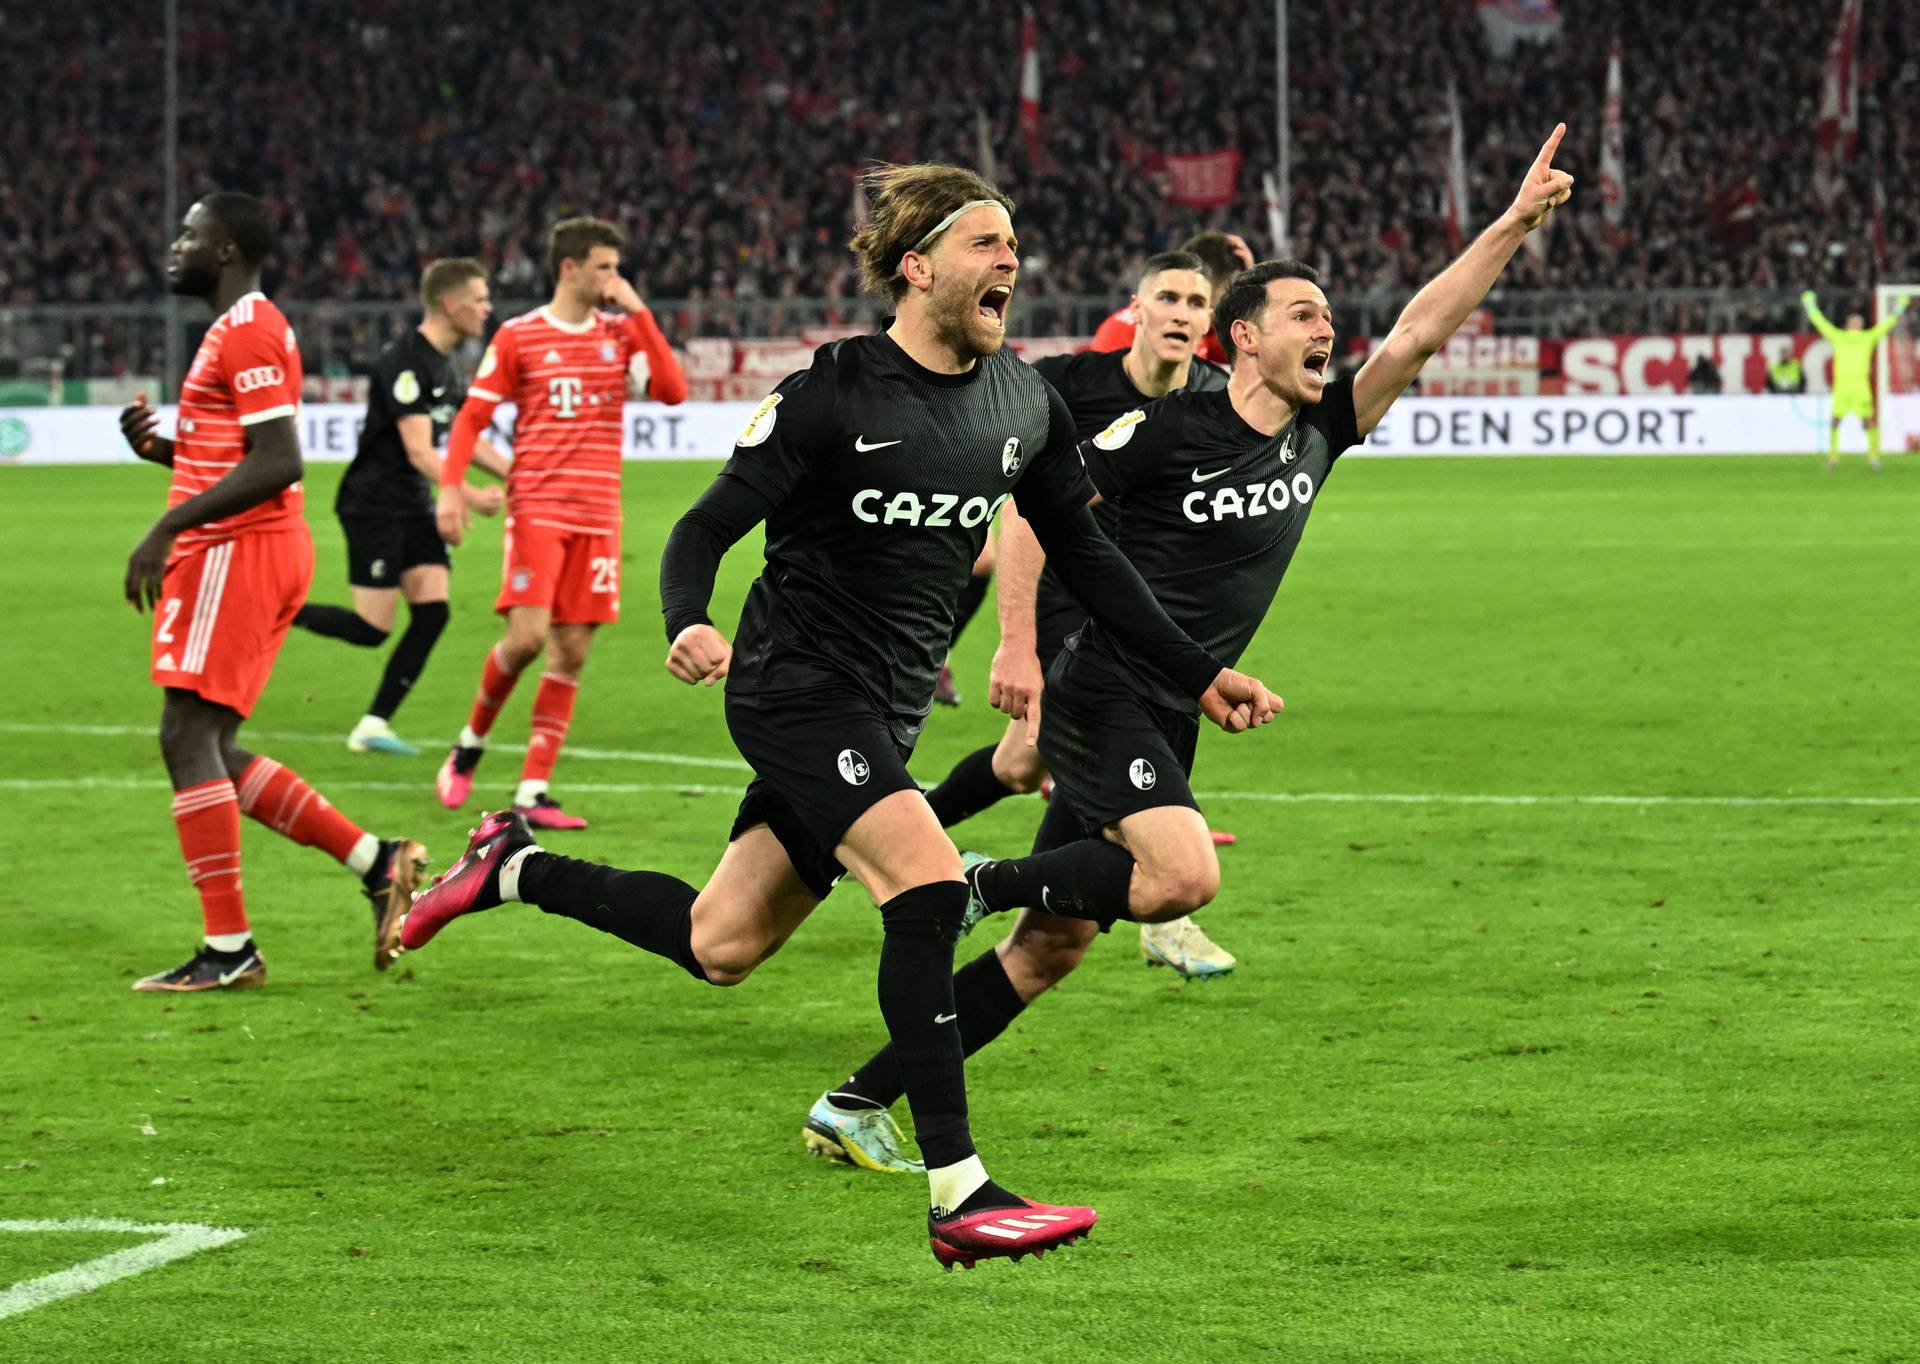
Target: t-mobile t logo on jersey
853	767
564	393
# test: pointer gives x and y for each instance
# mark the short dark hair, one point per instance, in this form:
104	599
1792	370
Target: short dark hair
1216	253
1246	297
444	276
1171	260
246	221
573	238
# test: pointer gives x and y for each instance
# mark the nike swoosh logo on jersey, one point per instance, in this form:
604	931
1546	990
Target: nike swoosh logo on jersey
860	444
945	1018
438	391
1199	477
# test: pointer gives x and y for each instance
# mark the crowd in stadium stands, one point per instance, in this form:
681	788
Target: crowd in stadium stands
725	139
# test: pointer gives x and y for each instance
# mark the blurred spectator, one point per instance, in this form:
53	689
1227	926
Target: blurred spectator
724	139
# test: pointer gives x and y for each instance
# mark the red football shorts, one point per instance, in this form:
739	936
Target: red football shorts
224	612
574	574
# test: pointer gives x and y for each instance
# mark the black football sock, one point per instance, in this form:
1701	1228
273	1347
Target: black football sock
986	1002
970	788
916	1000
971	596
649	909
1084	880
409	658
340	622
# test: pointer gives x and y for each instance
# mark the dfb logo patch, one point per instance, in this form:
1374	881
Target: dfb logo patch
1140	772
1010	457
853	767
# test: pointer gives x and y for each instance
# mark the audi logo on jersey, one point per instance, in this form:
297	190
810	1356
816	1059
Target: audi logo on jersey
257	378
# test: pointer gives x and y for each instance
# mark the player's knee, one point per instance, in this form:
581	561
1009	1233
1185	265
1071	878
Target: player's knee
427	618
1174	893
724	968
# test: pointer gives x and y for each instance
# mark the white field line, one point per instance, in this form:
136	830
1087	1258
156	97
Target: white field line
735	765
1261	797
175	1241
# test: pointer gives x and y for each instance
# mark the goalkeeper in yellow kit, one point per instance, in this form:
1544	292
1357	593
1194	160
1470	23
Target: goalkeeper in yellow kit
1852	372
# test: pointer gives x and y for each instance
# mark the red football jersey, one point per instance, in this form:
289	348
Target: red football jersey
246	371
1116	333
568	382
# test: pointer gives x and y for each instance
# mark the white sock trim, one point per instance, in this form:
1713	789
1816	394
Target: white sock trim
510	872
952	1185
468	739
528	791
228	942
361	858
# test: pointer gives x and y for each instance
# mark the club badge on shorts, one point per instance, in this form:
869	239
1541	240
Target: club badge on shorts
853	767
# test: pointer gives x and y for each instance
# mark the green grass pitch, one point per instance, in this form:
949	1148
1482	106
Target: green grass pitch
1575	1021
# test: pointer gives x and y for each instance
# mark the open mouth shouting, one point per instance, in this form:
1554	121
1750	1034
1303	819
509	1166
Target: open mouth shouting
993	306
1314	365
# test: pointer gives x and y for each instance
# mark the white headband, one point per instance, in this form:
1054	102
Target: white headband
949	221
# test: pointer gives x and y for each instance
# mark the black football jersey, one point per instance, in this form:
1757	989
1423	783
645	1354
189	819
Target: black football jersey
1096	389
1211	512
884	478
410	378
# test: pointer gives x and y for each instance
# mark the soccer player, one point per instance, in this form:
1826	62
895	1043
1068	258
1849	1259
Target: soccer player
877	471
566	367
225	568
1172	301
1222	255
1217	487
975	592
1853	347
386	500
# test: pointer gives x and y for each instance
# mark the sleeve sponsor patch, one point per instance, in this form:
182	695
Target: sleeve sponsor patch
1120	432
488	363
761	425
406	388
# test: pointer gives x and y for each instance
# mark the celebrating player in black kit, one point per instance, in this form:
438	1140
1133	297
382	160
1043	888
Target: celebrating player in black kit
1215	489
877	471
1171	311
386	500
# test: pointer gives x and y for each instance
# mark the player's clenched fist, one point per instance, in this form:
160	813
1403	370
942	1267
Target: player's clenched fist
700	654
139	423
1236	702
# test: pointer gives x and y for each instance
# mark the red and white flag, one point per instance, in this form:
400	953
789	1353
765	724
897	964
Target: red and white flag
1203	179
1029	84
1613	146
1454	209
1836	131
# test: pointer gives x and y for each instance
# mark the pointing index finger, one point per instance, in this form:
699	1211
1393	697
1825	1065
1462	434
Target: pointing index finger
1542	162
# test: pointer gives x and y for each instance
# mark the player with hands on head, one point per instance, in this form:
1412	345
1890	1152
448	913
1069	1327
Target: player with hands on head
1216	489
877	471
568	368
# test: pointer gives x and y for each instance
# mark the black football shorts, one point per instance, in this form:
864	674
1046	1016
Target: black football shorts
1112	752
821	758
381	548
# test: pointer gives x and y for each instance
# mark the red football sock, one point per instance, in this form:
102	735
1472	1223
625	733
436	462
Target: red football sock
552	713
496	685
208	819
277	797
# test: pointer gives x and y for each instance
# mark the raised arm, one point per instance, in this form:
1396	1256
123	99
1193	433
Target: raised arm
1819	319
1437	311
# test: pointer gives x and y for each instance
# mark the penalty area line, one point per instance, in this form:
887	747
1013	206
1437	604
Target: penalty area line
616	788
173	1241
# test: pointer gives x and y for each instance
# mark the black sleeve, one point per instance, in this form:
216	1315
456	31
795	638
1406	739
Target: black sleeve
1053	500
1335	418
727	510
1135	448
1053	368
